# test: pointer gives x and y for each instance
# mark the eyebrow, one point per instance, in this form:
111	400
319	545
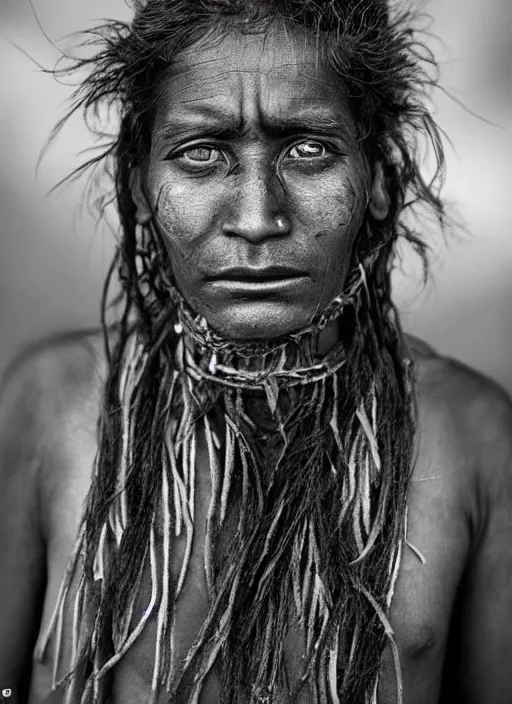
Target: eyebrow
215	122
311	121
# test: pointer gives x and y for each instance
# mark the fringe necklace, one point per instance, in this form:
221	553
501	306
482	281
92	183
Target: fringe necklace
319	544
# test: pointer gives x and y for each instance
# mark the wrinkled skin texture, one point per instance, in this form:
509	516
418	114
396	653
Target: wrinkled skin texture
254	163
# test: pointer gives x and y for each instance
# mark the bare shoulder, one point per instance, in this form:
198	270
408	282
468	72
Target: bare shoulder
471	415
70	357
49	401
53	377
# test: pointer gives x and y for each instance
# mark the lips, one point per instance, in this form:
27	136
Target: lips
245	283
258	274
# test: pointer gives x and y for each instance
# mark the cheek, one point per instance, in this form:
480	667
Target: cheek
185	217
334	198
183	206
334	211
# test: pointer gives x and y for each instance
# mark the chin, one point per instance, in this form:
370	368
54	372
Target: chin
267	323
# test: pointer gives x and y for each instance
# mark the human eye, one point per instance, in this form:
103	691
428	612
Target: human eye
200	155
307	149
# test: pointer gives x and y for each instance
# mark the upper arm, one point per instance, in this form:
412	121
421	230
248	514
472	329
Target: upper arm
485	676
22	550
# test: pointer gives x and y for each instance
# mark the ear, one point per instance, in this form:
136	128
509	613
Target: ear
379	200
143	211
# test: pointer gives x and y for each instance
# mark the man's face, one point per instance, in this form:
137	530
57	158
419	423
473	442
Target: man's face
256	182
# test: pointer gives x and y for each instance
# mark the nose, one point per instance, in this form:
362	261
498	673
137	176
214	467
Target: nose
257	209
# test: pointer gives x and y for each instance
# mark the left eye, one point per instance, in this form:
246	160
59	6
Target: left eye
307	150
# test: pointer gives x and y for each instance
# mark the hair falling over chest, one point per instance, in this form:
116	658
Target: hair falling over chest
320	515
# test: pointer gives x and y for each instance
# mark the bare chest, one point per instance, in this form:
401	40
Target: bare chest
421	609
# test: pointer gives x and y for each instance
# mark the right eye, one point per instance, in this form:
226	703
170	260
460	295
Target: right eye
200	155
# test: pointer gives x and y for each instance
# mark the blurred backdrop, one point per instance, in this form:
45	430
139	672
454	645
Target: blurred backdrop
53	258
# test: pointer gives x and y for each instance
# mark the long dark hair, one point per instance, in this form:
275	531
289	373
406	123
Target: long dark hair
387	72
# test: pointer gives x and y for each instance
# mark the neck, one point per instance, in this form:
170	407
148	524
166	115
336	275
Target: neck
256	401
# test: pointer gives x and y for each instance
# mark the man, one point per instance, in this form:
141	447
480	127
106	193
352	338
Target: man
285	499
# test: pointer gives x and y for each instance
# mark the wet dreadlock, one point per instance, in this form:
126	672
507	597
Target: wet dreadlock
323	537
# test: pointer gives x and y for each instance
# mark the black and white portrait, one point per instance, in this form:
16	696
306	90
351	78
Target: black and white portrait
255	345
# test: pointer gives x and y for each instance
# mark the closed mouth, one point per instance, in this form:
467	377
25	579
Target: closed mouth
273	273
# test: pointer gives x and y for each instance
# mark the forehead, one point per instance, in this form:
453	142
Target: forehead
276	73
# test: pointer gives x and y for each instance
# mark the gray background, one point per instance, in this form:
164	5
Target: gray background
53	258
